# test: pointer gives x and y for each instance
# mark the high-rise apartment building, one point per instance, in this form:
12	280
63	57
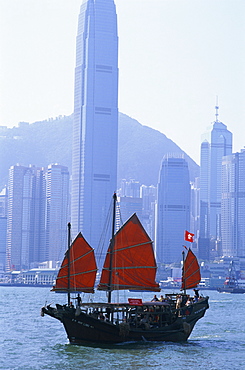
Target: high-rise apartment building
128	206
149	196
233	205
95	133
4	202
37	250
19	215
3	233
3	227
173	209
216	143
37	215
57	211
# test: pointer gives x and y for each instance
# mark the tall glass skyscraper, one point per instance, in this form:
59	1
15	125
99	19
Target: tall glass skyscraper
95	133
216	143
173	209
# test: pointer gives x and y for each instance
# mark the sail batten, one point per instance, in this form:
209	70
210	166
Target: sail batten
132	263
82	274
191	272
76	274
130	267
132	246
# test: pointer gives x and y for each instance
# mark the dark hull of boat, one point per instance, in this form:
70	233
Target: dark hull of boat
231	290
84	328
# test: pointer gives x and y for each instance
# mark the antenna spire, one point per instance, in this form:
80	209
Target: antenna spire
217	110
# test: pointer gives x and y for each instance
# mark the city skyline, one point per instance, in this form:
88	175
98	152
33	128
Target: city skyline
190	52
95	134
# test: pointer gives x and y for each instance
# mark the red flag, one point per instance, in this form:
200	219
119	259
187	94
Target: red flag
189	237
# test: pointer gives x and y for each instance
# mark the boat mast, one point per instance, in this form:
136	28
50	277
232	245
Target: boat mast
112	247
68	258
183	272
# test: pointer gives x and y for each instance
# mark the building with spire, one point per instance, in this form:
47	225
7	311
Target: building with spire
216	142
95	127
173	209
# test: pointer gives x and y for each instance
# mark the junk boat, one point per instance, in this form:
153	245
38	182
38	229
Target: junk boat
129	265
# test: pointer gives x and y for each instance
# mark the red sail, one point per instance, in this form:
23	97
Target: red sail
82	268
133	260
191	272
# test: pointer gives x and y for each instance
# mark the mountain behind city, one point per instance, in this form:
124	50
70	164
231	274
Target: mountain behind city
140	148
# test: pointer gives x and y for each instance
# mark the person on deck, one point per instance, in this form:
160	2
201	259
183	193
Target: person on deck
196	296
178	301
79	300
154	299
101	316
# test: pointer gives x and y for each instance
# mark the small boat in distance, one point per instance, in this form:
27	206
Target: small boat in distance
231	283
129	265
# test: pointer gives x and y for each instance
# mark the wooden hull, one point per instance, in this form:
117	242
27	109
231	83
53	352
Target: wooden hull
231	290
84	328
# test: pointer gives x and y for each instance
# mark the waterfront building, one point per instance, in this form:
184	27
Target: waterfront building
95	132
173	209
233	205
216	143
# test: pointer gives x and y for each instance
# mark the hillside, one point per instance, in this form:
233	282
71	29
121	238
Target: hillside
141	148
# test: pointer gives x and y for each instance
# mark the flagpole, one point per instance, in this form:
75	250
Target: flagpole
189	237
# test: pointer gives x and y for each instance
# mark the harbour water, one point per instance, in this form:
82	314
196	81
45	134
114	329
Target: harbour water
29	341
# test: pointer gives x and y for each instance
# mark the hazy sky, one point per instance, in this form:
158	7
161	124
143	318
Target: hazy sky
175	57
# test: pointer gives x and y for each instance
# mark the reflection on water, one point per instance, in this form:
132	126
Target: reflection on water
31	342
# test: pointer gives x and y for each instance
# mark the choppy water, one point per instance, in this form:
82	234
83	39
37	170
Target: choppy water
29	341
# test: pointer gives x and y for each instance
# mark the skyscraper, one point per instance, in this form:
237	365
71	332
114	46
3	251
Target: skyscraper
94	162
19	217
233	205
38	252
216	143
37	215
57	210
173	209
3	227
